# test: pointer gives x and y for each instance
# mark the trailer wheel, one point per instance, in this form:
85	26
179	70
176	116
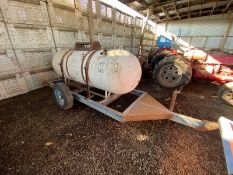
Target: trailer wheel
173	71
62	95
226	93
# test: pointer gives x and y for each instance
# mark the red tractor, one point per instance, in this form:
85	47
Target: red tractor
174	64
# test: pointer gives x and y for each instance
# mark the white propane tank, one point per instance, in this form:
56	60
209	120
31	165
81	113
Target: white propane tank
115	71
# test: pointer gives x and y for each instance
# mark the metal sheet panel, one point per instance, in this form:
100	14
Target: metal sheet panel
19	12
28	37
229	43
106	27
119	41
38	80
137	32
213	42
4	40
12	87
8	63
107	41
119	29
85	25
231	30
96	23
127	31
64	17
127	41
1	17
198	42
35	59
179	28
67	38
69	3
185	39
208	28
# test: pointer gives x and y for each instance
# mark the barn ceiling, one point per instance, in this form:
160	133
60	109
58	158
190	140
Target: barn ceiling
172	10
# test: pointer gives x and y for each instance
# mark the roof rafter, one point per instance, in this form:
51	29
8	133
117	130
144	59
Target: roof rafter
177	13
203	2
214	7
227	6
165	10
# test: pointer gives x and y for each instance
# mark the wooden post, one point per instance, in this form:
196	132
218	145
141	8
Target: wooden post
227	30
90	20
113	26
173	100
140	51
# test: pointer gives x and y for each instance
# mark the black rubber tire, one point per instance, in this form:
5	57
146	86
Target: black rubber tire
223	91
67	96
156	59
178	62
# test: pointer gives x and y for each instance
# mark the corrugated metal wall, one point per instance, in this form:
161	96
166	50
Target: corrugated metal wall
31	31
206	32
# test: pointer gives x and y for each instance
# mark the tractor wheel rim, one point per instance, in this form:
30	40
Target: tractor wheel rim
171	73
228	96
59	97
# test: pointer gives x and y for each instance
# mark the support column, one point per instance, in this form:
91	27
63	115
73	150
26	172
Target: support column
90	20
227	30
113	26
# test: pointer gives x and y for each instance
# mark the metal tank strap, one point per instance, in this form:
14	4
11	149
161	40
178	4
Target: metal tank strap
61	62
67	58
83	58
86	72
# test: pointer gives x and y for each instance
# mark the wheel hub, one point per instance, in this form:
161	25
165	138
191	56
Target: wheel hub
228	96
59	97
171	73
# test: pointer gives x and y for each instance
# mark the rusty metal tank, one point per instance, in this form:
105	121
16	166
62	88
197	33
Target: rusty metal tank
115	71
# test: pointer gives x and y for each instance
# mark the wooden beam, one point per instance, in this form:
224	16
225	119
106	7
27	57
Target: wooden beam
188	9
177	13
227	6
198	7
215	5
127	1
197	13
161	7
140	51
90	20
203	2
165	12
157	17
226	33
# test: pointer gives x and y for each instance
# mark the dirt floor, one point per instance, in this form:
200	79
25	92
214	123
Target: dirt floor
39	138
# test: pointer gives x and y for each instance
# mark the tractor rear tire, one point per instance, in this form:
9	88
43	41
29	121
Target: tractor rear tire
63	96
173	72
225	93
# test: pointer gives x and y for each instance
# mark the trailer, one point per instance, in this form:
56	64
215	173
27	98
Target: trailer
82	68
75	84
143	107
